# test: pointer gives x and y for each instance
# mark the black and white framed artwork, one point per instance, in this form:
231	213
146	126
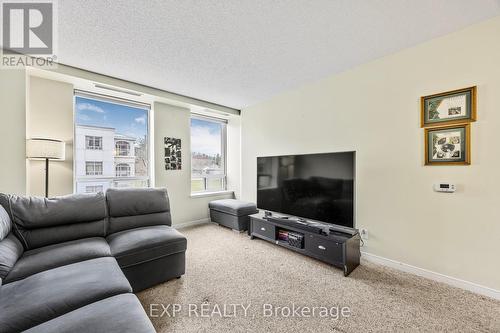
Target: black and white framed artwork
173	154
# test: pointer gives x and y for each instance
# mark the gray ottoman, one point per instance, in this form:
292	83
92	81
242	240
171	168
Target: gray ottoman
232	213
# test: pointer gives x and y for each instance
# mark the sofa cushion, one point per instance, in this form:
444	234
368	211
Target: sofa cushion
135	208
233	207
49	294
52	256
135	246
43	221
10	251
121	313
5	223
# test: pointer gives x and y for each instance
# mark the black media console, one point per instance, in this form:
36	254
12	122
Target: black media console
335	245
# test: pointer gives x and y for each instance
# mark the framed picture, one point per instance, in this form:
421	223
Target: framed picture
448	145
452	107
173	153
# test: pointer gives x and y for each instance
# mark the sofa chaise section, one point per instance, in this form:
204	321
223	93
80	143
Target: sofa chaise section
117	314
141	237
55	292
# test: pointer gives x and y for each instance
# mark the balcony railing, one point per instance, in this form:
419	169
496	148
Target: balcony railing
208	183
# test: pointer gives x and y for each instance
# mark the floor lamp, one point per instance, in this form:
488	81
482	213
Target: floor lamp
47	149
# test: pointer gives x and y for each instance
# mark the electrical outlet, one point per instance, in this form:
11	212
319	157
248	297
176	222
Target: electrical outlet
363	233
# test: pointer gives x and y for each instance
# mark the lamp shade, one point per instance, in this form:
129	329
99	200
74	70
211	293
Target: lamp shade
45	148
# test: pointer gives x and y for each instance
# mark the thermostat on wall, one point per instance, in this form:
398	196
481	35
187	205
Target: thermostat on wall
444	187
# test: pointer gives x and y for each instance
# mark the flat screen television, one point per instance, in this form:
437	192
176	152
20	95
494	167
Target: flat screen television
313	186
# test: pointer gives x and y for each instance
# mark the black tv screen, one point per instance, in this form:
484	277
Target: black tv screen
313	186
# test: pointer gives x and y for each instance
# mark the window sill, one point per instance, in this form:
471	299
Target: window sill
210	194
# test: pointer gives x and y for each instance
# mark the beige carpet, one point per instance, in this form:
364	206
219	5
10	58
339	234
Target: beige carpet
224	268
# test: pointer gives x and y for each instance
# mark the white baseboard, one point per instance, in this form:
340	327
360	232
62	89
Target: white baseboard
191	223
470	286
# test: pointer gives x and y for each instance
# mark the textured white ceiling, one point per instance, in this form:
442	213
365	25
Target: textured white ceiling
239	52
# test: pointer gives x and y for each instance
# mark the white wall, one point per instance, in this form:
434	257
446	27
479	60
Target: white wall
12	131
374	109
50	115
173	121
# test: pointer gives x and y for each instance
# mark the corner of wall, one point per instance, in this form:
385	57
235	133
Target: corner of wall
13	128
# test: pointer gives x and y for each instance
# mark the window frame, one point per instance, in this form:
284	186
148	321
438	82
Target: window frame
121	165
93	139
94	163
144	104
223	177
118	150
100	187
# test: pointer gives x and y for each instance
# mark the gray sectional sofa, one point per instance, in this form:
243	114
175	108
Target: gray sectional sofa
72	263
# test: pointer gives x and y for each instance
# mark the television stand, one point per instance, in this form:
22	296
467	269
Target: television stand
336	245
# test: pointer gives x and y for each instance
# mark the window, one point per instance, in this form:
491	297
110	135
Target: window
122	170
93	168
111	142
93	188
208	154
122	148
93	142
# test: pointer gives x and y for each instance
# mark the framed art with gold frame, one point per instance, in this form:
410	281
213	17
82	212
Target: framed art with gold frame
451	107
448	145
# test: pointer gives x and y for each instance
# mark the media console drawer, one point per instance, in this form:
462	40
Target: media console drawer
264	229
328	250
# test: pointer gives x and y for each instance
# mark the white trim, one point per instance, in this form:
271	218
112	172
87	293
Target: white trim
455	282
191	223
130	102
208	118
211	194
151	143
